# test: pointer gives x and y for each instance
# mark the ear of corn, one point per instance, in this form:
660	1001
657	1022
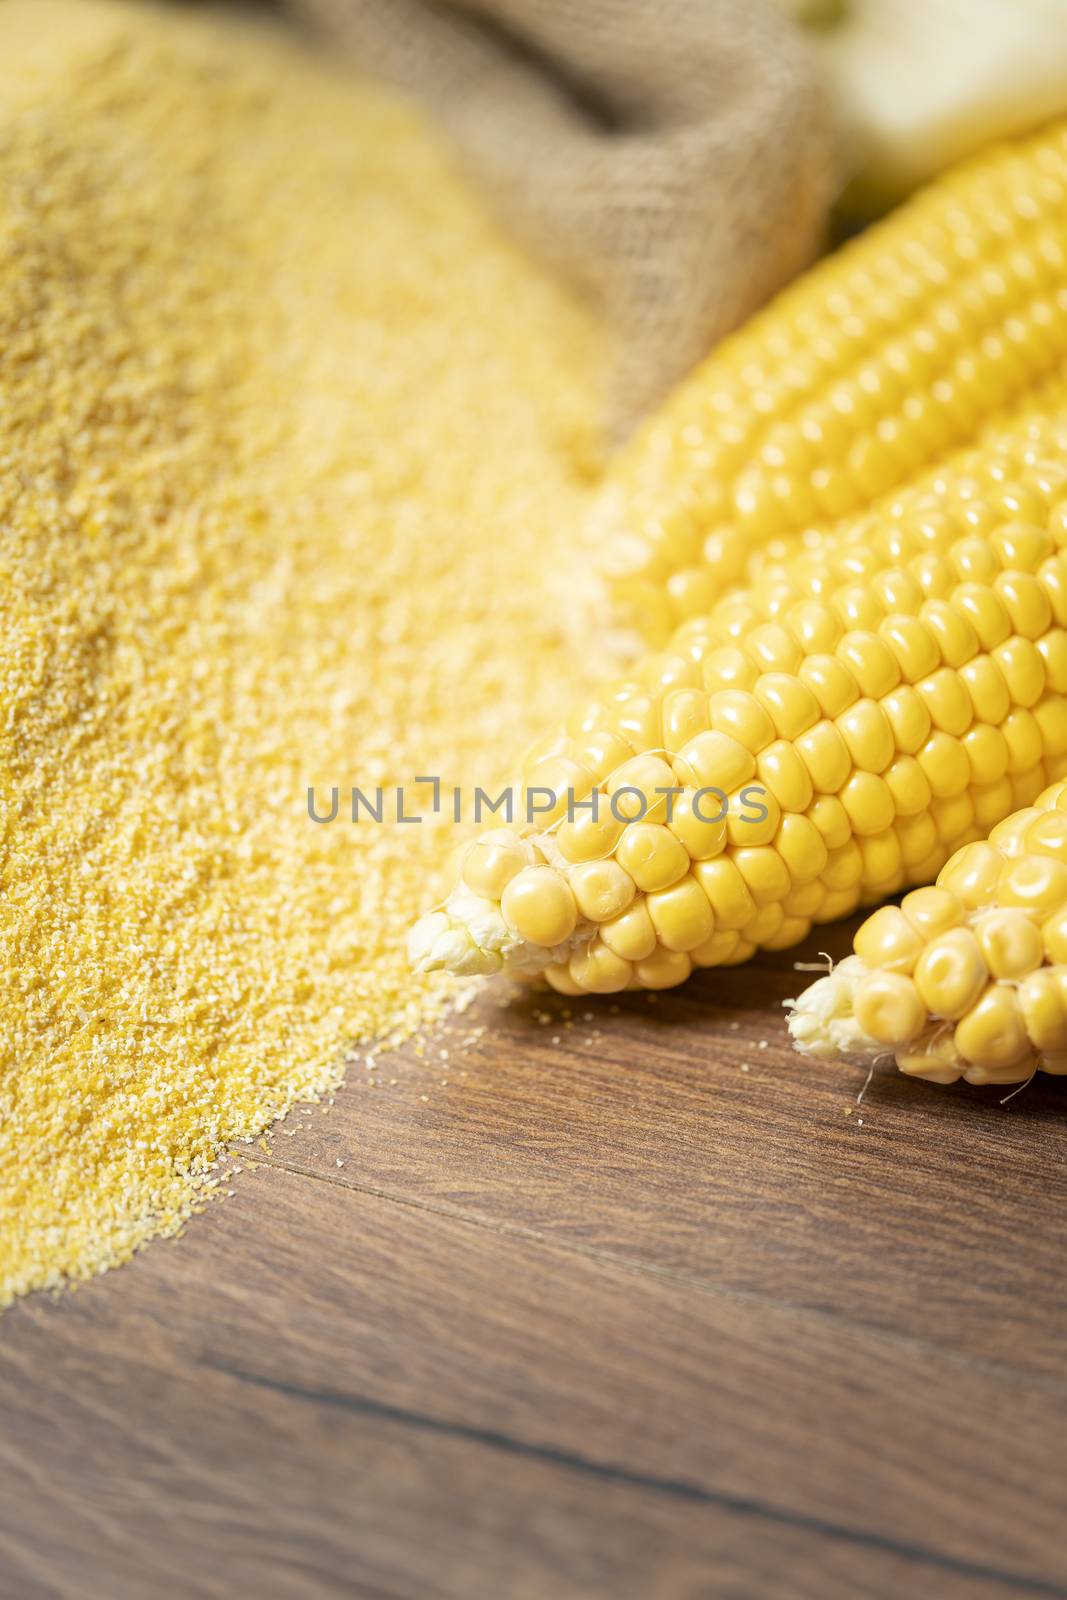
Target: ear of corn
967	978
880	362
857	715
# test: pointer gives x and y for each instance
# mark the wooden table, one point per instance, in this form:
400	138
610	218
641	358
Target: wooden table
630	1302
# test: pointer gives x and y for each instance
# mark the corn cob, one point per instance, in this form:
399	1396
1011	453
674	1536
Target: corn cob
880	702
880	362
964	979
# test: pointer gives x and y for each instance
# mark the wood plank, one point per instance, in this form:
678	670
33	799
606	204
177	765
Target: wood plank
321	1391
939	1215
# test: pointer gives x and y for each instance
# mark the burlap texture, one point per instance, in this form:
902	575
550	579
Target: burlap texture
672	156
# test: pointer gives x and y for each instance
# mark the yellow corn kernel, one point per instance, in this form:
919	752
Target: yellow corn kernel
779	769
684	715
727	891
897	591
825	754
804	899
815	626
1010	942
638	789
1049	715
602	889
888	1008
652	855
839	903
945	764
596	969
882	863
932	911
765	873
830	682
913	645
1020	1070
992	1034
974	874
909	786
1038	883
538	906
888	940
831	819
1026	602
699	822
870	661
1023	670
492	860
844	867
727	667
1009	835
991	802
945	697
636	719
868	800
740	715
908	718
667	670
716	951
559	781
588	837
632	934
681	915
1053	650
974	560
1046	835
714	760
559	976
1019	546
987	752
1026	786
984	682
791	706
802	849
857	608
663	969
772	648
691	591
918	840
985	611
868	735
600	751
790	932
753	817
1043	1004
933	1059
764	925
552	744
950	974
954	634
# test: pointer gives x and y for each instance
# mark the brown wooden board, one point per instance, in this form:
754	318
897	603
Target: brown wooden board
583	1309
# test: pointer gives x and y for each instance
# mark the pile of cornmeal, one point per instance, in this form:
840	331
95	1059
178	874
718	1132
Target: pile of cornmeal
293	447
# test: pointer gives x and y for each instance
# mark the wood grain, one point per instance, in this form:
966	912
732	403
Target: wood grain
606	1316
936	1214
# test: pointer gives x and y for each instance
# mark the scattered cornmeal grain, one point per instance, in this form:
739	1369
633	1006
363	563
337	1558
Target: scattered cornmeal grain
288	433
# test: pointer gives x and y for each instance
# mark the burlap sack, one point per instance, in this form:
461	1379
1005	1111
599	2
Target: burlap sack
673	156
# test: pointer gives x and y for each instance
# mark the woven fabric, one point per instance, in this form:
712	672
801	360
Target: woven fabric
672	156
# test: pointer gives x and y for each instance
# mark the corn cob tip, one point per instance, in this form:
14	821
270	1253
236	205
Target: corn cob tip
472	935
822	1021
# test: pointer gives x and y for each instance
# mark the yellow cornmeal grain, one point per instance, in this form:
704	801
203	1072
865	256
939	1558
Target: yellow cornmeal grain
288	435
